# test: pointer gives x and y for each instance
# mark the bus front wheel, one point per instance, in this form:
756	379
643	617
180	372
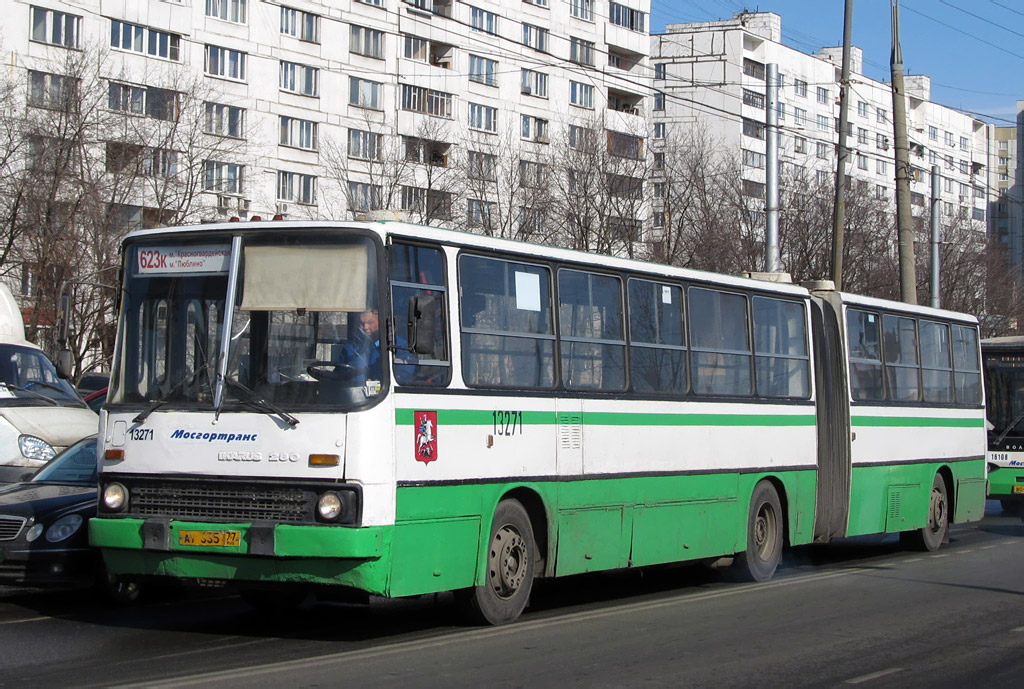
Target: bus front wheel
764	535
930	536
511	559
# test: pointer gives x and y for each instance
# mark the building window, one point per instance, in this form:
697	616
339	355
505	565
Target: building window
142	39
753	68
862	162
534	83
364	41
225	120
933	157
538	3
964	143
416	48
52	91
659	100
298	133
581	51
301	79
800	116
482	20
479	213
227	10
626	17
483	117
304	26
534	128
823	95
800	86
821	149
225	63
799	144
363	145
427	101
223	178
862	136
753	99
933	133
482	70
753	159
880	167
582	9
364	93
950	141
881	115
862	108
56	28
625	145
659	160
296	187
482	166
160	104
535	37
580	138
753	128
659	70
532	174
581	95
823	123
882	141
363	196
965	167
880	191
753	189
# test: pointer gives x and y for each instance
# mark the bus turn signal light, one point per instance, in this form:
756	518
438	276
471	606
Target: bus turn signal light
324	460
113	454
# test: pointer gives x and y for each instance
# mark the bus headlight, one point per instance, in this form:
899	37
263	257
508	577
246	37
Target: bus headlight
35	448
63	528
115	497
330	506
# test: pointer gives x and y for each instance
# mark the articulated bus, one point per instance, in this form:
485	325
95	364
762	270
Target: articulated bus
386	409
1004	401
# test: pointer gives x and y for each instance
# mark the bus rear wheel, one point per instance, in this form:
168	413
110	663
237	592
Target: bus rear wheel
511	559
764	535
930	536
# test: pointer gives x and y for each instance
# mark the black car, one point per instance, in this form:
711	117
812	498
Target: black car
44	534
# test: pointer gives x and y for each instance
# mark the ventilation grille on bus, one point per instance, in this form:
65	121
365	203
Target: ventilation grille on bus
10	527
220	501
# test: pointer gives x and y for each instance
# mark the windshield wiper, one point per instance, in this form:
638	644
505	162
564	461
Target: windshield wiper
12	386
256	402
187	380
1009	427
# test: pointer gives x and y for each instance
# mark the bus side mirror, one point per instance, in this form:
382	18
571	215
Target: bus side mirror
65	363
422	323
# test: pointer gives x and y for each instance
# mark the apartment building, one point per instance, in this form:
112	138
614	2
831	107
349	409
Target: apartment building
1007	216
713	75
333	109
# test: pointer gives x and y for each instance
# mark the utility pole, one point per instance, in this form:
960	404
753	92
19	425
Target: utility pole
839	211
904	220
772	259
935	237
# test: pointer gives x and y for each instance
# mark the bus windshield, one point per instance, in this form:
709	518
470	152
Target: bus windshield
304	324
1004	393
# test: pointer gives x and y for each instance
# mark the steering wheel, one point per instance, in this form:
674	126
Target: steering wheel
331	371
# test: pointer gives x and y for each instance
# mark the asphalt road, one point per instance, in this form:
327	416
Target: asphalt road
858	612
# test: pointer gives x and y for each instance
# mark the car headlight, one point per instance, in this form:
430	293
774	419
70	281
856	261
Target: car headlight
329	506
64	528
115	497
35	448
35	532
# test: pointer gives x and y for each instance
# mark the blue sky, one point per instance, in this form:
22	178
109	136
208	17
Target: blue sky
973	50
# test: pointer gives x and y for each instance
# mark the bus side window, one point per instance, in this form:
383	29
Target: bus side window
419	271
781	363
657	344
901	368
936	365
865	353
966	366
591	334
719	343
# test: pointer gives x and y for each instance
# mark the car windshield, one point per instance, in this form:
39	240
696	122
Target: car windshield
28	377
77	464
304	330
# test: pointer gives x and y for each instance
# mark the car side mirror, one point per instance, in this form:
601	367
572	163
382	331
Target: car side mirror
422	323
65	363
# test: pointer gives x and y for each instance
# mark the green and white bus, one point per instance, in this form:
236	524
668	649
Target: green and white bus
532	412
1003	364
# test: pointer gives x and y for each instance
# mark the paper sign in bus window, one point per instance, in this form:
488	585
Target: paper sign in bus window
666	294
527	291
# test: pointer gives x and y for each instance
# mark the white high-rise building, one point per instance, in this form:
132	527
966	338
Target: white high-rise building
320	108
713	75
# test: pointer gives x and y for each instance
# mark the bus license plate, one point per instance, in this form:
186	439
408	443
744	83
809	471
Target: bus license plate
1018	489
210	538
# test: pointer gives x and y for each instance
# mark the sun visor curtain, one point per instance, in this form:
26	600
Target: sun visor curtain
314	278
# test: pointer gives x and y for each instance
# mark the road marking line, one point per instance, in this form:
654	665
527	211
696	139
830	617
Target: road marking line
874	675
472	635
1018	629
30	619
